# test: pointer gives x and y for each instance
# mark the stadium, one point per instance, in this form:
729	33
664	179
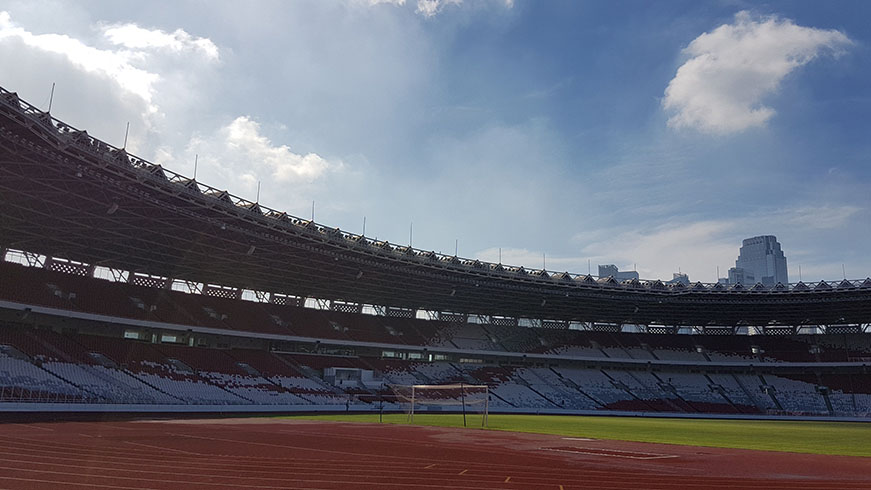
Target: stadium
129	289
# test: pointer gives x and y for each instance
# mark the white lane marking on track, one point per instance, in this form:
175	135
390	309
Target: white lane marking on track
286	446
578	439
166	448
122	427
212	484
31	426
89	485
599	452
186	483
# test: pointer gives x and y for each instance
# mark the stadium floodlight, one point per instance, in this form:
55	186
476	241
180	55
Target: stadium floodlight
447	397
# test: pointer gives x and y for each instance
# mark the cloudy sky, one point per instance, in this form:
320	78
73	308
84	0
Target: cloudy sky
654	135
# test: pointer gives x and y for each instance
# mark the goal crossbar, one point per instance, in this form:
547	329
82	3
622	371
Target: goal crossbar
462	395
445	387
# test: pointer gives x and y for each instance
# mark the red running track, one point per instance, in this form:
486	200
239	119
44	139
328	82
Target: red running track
293	454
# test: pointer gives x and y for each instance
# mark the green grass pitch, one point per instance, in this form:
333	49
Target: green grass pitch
839	438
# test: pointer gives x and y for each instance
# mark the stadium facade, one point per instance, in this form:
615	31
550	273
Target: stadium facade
126	284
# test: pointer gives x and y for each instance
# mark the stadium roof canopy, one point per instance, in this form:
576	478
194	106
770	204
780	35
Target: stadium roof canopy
64	193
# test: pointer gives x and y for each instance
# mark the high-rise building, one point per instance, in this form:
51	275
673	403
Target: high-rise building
760	260
611	270
737	275
679	277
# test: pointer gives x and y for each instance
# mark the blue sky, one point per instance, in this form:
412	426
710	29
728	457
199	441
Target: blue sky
649	135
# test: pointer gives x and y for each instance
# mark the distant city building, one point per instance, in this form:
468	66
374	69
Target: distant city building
610	270
679	277
738	275
760	260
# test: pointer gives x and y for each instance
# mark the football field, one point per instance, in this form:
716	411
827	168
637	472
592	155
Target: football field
835	438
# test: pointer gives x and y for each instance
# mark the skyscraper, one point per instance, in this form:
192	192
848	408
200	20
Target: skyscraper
760	260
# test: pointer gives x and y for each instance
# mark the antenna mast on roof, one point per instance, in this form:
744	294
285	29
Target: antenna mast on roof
257	201
364	226
51	97
196	160
126	133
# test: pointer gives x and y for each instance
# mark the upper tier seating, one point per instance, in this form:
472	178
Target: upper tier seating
38	286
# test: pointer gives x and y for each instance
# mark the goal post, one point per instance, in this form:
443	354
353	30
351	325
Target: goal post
458	397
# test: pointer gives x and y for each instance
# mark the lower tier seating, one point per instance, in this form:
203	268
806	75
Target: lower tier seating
42	366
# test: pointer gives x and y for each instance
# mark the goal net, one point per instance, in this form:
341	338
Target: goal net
470	400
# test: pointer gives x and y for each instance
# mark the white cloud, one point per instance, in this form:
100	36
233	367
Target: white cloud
134	37
429	8
239	153
243	138
731	69
112	64
131	68
108	75
822	217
